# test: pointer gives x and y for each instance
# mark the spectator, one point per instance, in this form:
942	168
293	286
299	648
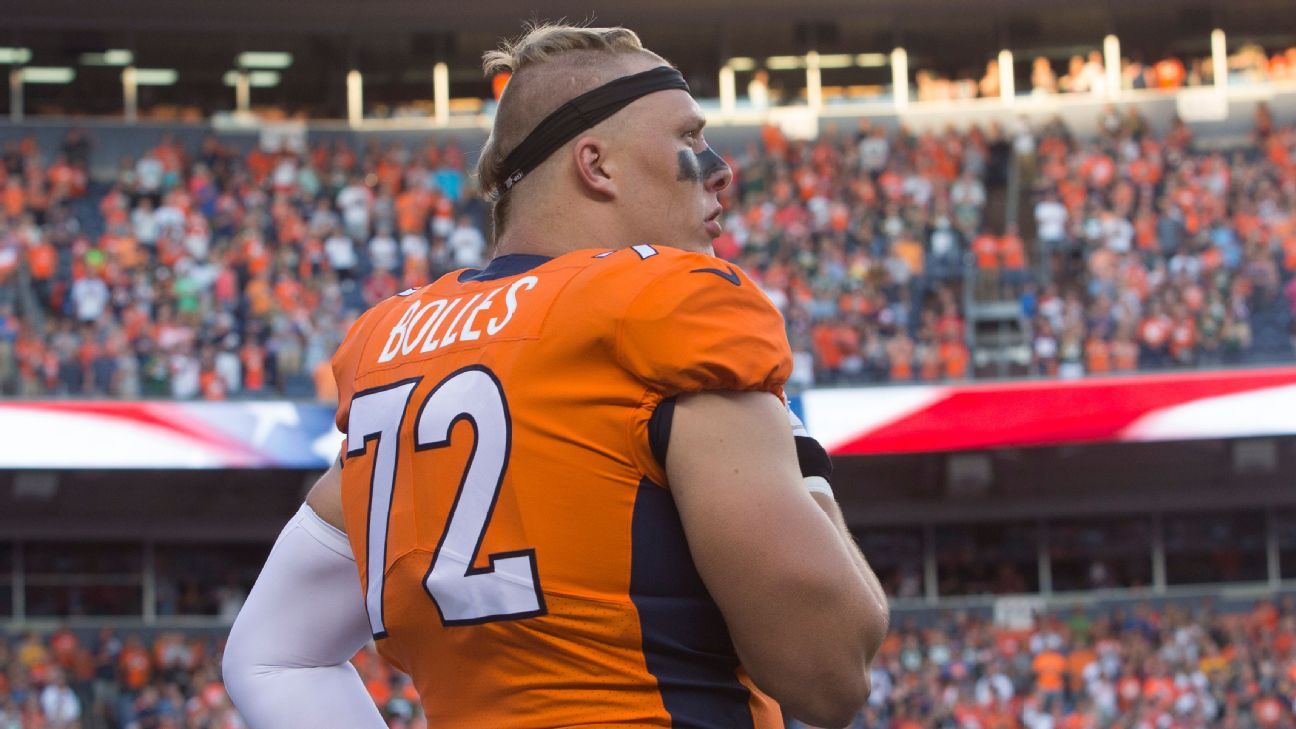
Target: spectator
1051	219
342	258
468	244
384	254
1043	80
60	705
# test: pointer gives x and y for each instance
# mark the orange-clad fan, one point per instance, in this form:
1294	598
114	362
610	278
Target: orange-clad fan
1012	252
1050	667
986	249
954	359
900	352
14	198
1124	354
1098	356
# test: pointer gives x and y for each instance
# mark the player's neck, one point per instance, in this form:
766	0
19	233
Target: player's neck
510	244
556	234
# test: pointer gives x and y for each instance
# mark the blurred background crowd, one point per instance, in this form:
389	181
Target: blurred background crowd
1170	667
208	272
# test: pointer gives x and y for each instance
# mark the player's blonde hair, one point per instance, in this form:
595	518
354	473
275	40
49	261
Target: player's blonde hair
578	52
541	41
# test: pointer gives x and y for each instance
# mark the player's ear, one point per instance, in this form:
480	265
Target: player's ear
594	167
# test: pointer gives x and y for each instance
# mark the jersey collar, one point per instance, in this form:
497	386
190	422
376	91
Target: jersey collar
504	266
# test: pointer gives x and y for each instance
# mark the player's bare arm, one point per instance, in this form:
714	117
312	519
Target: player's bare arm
834	512
801	604
325	497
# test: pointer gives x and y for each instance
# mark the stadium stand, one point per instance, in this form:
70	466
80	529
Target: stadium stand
1171	665
207	273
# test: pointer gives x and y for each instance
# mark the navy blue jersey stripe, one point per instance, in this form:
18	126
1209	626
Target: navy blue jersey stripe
504	266
686	643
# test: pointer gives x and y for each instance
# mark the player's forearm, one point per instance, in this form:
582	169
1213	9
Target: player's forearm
865	572
286	663
816	469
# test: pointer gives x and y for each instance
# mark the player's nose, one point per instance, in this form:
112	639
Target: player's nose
719	177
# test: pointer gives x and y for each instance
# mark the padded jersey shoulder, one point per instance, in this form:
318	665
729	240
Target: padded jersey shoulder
685	321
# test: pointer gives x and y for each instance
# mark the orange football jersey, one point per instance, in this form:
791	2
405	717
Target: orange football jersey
519	550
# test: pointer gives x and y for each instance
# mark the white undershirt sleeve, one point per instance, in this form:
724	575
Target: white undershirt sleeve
287	660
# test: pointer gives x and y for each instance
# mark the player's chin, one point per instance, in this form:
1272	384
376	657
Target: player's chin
695	241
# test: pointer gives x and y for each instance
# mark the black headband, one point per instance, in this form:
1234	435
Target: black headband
579	114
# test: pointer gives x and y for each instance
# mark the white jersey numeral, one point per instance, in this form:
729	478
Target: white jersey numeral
509	588
377	415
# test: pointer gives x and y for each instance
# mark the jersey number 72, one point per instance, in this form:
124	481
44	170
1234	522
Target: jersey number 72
509	588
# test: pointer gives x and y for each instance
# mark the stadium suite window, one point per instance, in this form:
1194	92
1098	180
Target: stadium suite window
83	558
83	579
93	599
205	579
1098	554
896	555
1215	547
987	559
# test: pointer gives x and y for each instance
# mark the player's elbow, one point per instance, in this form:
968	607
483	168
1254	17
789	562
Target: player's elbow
819	672
836	683
235	668
240	662
832	699
874	624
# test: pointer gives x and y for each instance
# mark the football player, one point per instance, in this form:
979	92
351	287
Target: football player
570	485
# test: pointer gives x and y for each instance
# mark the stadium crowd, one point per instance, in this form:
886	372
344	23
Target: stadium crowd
208	272
1139	667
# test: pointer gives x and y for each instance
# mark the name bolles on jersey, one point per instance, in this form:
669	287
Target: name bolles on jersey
428	326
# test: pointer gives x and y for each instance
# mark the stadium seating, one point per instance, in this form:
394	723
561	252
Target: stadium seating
203	272
1166	666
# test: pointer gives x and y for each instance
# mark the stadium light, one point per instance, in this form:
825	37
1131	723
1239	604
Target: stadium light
130	94
836	60
259	79
355	97
814	86
1007	80
1219	58
900	78
871	60
441	93
15	95
1112	62
728	93
110	57
156	76
47	75
14	55
742	63
265	59
784	63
